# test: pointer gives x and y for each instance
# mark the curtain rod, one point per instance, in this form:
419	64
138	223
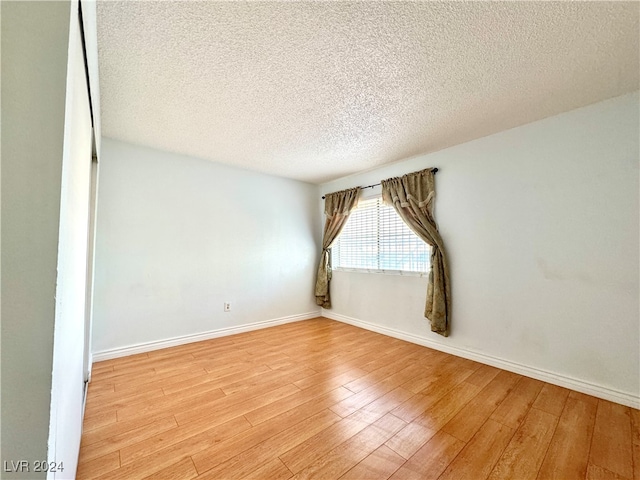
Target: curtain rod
434	170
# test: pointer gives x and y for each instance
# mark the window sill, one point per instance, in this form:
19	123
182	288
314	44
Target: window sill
402	273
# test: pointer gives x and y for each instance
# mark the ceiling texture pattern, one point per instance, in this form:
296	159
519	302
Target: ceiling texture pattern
317	90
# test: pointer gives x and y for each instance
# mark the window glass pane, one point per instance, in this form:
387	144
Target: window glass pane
376	238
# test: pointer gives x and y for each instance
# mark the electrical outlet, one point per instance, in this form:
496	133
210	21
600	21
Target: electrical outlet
227	307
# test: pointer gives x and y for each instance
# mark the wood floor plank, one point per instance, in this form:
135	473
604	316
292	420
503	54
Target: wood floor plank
611	447
551	399
213	359
286	375
355	358
230	371
383	405
274	403
424	400
583	397
380	464
168	404
436	376
483	376
465	363
100	367
168	456
409	440
330	378
635	425
134	383
471	417
422	381
275	408
273	470
353	403
305	453
221	381
526	450
594	472
515	406
480	455
118	400
568	453
216	454
97	388
431	459
134	450
238	404
334	362
117	428
114	443
249	460
390	356
97	466
122	374
219	367
101	419
267	358
348	454
364	397
447	407
182	470
400	373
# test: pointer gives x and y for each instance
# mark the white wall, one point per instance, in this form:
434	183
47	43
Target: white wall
541	228
68	351
35	42
178	236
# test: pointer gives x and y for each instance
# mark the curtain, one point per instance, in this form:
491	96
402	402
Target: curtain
337	207
412	197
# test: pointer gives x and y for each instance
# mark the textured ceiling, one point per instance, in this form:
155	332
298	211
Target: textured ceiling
318	90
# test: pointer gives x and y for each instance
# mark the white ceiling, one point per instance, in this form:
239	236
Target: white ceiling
318	90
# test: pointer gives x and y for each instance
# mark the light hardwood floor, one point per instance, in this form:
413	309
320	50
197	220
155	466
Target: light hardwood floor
322	399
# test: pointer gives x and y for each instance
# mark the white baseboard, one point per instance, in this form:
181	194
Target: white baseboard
582	386
222	332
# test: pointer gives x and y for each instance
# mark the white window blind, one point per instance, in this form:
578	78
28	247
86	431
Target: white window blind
376	239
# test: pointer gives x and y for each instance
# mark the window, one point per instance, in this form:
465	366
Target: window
375	239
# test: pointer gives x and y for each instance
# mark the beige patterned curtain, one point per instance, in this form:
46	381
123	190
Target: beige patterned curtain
337	207
412	197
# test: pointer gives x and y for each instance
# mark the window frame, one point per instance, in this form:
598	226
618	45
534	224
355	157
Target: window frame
405	273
